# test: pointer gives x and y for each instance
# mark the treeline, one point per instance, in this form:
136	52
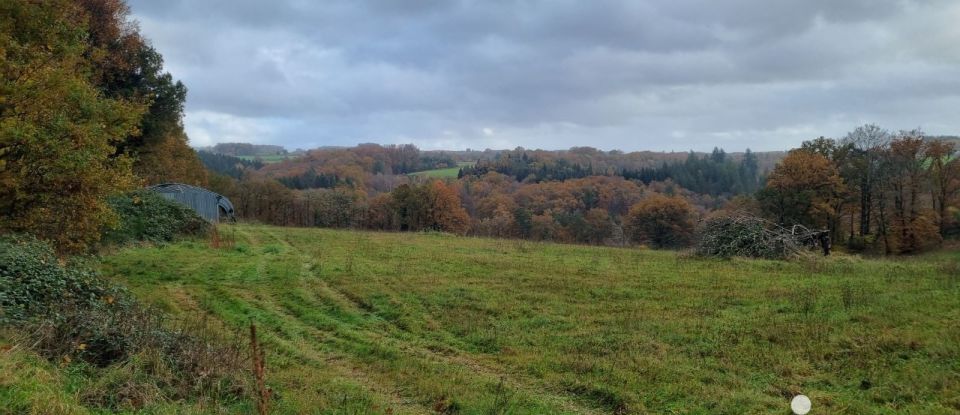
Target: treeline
590	210
86	111
226	165
873	189
313	180
245	149
366	166
713	174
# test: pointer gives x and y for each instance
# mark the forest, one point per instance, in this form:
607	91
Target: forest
873	190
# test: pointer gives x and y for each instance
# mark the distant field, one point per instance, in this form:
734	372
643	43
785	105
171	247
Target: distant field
360	322
448	173
273	158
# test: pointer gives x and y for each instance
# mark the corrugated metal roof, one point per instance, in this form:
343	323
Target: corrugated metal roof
210	205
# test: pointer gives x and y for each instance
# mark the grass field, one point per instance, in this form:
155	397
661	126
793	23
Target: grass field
448	173
421	323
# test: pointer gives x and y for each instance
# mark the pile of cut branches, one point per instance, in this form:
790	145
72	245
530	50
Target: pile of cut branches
750	236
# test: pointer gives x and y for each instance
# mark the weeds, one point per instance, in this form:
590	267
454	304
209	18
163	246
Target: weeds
502	399
263	393
223	240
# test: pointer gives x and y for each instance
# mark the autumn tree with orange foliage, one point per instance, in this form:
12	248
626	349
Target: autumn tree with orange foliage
445	211
432	206
803	189
661	221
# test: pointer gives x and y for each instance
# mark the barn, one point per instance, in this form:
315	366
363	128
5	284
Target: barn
211	206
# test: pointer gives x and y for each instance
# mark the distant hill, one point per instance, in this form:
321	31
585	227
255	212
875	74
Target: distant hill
948	138
246	149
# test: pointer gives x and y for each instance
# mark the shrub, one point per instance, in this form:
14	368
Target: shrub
147	216
33	281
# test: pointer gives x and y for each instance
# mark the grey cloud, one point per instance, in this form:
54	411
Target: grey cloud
553	73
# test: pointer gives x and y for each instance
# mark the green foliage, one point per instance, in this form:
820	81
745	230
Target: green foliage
147	216
33	282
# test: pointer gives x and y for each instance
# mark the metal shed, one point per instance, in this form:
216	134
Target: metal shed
211	206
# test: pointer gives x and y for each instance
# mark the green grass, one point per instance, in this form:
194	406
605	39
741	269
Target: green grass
448	173
359	322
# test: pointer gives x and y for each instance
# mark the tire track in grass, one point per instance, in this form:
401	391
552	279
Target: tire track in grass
490	371
294	343
286	331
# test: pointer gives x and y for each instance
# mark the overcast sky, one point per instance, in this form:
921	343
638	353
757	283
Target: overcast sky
612	74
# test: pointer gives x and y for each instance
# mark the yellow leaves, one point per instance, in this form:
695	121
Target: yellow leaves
804	170
64	130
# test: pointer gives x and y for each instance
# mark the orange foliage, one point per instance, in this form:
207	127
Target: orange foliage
662	221
446	212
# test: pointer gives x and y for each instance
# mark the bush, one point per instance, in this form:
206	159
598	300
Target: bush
147	216
33	281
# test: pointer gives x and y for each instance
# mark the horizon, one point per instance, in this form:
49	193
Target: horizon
657	76
726	150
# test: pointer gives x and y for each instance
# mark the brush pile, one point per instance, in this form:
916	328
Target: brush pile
749	236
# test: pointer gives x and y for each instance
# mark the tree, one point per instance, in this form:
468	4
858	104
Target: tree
802	189
597	226
944	177
661	221
446	212
125	67
410	205
911	221
867	144
58	135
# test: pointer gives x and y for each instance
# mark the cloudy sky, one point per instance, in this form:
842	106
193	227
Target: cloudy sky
612	74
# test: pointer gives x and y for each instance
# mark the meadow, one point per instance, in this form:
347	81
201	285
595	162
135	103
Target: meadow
270	158
359	322
447	173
